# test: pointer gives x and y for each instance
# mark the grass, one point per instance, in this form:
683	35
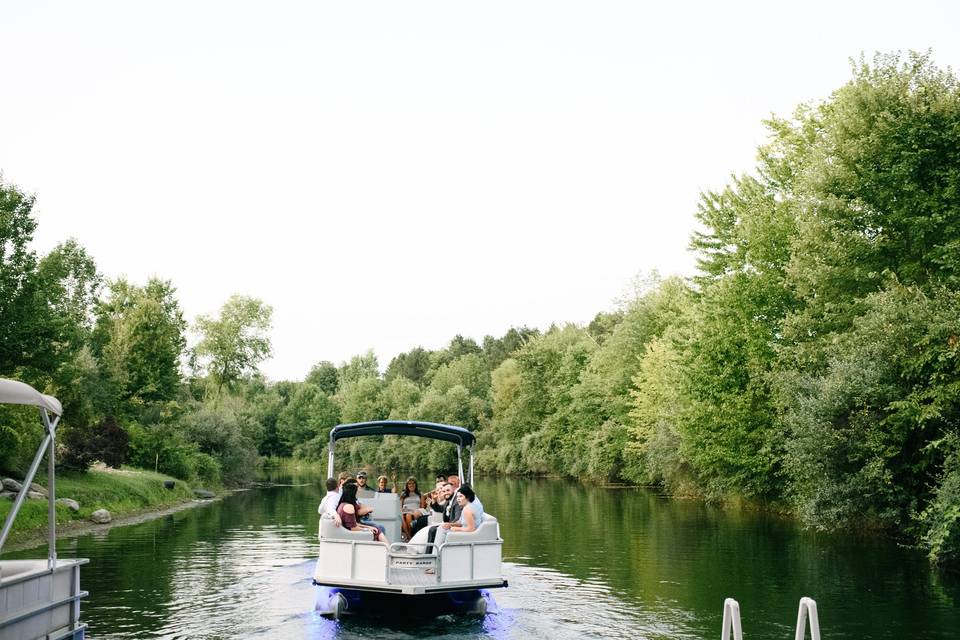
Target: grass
122	492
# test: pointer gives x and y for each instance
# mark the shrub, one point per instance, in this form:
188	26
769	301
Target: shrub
105	441
941	519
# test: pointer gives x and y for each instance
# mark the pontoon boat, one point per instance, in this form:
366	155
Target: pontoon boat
356	574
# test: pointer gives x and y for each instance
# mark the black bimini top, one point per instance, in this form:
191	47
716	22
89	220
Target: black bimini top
450	433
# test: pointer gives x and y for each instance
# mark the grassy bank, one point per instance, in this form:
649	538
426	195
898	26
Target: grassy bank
122	492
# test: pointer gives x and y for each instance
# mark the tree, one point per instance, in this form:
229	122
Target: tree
496	350
26	330
412	365
71	286
359	367
324	374
309	414
234	344
139	339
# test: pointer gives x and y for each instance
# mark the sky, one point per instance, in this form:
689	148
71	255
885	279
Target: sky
389	174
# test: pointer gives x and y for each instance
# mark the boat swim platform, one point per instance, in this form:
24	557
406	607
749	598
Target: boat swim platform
414	585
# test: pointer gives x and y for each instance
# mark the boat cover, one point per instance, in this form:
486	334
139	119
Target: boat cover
450	433
15	392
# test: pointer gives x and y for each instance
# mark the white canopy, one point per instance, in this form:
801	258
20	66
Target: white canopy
14	392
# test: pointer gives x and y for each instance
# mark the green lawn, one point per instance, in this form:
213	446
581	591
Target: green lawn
121	492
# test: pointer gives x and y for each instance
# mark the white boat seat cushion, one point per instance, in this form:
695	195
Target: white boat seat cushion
488	530
386	506
330	531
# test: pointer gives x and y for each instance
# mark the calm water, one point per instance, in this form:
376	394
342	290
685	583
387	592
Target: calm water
581	562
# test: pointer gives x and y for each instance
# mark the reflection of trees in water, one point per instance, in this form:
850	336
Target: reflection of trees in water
653	550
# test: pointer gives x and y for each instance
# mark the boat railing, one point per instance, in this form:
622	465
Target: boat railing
807	614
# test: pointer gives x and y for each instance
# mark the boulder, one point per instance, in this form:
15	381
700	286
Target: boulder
33	495
203	494
12	485
100	516
70	503
9	495
38	489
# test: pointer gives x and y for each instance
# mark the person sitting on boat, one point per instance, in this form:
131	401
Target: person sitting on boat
382	485
470	518
348	510
410	504
452	512
332	499
363	491
434	502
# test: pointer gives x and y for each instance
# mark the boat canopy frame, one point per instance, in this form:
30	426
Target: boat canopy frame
16	392
433	430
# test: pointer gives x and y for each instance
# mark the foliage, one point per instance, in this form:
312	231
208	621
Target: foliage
324	374
940	521
139	339
26	333
860	432
310	413
232	345
105	442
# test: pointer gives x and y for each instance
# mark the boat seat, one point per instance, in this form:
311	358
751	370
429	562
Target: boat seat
386	506
489	529
468	562
330	531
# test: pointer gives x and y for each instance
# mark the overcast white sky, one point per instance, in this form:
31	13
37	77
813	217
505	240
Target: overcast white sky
390	174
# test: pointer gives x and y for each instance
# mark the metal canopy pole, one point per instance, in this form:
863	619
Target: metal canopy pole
471	465
330	457
51	490
460	462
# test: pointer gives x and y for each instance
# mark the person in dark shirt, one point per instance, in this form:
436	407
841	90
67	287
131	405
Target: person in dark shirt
348	509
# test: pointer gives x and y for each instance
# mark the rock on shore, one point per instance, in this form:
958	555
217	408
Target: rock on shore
100	516
70	503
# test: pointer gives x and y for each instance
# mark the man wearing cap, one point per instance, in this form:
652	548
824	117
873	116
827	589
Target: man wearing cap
363	491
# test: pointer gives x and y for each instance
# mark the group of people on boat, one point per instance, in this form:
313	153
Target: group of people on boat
458	505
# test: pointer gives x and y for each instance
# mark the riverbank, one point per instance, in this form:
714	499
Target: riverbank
130	495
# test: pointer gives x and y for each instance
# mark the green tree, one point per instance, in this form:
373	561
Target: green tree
234	344
862	431
26	331
496	350
412	365
311	413
359	367
324	375
139	340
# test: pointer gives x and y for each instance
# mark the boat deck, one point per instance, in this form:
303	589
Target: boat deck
413	577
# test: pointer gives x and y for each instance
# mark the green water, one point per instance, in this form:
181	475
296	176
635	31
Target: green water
582	561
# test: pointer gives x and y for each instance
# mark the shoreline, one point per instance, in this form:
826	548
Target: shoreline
83	527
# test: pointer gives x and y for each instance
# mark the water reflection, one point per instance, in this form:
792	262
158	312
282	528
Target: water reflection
581	561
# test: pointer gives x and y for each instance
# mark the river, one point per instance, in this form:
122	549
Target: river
582	561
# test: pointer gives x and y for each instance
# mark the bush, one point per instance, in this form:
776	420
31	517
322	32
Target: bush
941	519
206	468
105	441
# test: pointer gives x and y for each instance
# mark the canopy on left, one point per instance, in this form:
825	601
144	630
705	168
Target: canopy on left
15	392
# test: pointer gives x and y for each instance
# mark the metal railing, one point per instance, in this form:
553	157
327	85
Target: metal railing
807	614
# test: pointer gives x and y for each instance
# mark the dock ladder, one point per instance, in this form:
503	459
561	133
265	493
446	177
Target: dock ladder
806	614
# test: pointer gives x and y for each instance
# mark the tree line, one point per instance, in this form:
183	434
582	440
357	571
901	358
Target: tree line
811	364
